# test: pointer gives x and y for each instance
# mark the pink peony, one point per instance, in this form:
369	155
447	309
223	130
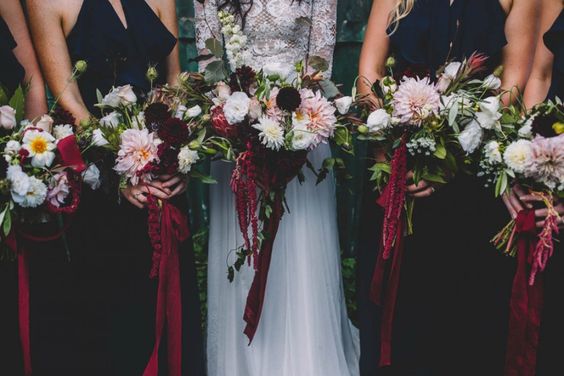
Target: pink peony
415	100
137	149
546	164
319	114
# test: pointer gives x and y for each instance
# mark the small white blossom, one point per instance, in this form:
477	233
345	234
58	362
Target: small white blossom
343	104
378	120
492	82
271	133
98	138
62	131
45	123
111	120
492	152
517	155
236	107
120	96
91	176
7	117
471	137
186	159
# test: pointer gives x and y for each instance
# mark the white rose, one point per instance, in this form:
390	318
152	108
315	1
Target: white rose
517	155
492	82
378	120
236	107
7	117
35	195
62	131
282	70
18	179
111	120
45	123
303	139
91	176
180	111
343	104
492	153
193	111
471	137
186	159
121	95
98	138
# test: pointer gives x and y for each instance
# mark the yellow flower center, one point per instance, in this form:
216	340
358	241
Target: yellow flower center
38	145
558	127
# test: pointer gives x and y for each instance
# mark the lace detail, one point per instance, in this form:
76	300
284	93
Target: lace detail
277	30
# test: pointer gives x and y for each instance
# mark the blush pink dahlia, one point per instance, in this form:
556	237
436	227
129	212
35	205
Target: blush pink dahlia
137	149
415	100
319	114
547	161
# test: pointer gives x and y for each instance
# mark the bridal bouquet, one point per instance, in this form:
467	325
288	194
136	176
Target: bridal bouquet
531	155
272	118
432	126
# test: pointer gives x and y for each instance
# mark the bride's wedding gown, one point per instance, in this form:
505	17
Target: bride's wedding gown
304	329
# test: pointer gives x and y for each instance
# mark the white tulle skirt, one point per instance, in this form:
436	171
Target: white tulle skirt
304	329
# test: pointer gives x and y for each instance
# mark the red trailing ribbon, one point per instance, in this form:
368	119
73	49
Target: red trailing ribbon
70	155
255	298
168	226
526	303
384	293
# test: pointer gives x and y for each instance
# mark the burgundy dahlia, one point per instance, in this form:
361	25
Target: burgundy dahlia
62	116
168	159
220	124
542	125
243	78
288	98
155	115
174	131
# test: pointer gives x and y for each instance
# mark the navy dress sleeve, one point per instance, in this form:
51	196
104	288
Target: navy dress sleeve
554	40
12	73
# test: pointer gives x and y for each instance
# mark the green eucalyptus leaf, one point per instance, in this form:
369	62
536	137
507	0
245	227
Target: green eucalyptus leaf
329	89
215	71
215	47
318	63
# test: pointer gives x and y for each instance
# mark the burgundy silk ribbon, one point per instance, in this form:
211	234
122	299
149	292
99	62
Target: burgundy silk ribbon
526	303
70	155
255	298
384	293
168	227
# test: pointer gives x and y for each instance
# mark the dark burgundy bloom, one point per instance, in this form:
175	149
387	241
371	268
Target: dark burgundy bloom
62	116
23	153
168	157
220	124
542	125
174	131
414	70
288	99
155	115
243	78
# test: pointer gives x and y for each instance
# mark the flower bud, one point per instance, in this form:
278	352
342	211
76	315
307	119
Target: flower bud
194	145
210	151
363	129
80	66
152	74
498	71
390	62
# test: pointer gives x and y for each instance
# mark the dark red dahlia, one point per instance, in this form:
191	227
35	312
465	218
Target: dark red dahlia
174	131
542	125
168	157
155	115
220	124
62	116
24	154
288	99
243	78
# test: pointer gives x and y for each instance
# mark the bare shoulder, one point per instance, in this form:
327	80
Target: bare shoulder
161	6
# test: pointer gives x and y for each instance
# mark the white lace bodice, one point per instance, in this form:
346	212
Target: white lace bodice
278	31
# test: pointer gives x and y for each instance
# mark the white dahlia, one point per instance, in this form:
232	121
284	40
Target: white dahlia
271	133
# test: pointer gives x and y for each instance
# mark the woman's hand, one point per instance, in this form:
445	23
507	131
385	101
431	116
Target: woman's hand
175	184
421	189
541	214
513	202
137	194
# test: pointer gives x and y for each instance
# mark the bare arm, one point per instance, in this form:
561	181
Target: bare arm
375	48
521	31
167	14
46	20
541	74
36	102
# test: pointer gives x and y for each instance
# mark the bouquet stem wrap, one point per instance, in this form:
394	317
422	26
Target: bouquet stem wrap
168	227
384	293
255	299
526	302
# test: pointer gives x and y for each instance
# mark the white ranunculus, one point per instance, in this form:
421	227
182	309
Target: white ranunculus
120	96
517	155
303	139
192	112
282	70
186	159
271	133
7	117
91	176
19	180
492	82
98	138
111	120
471	137
378	120
492	152
62	131
236	107
45	123
343	104
180	112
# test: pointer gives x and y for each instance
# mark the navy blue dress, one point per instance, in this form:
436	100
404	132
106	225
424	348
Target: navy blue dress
12	73
109	243
444	323
554	40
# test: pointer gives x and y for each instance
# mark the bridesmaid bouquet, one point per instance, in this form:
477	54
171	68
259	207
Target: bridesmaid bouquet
271	118
531	155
